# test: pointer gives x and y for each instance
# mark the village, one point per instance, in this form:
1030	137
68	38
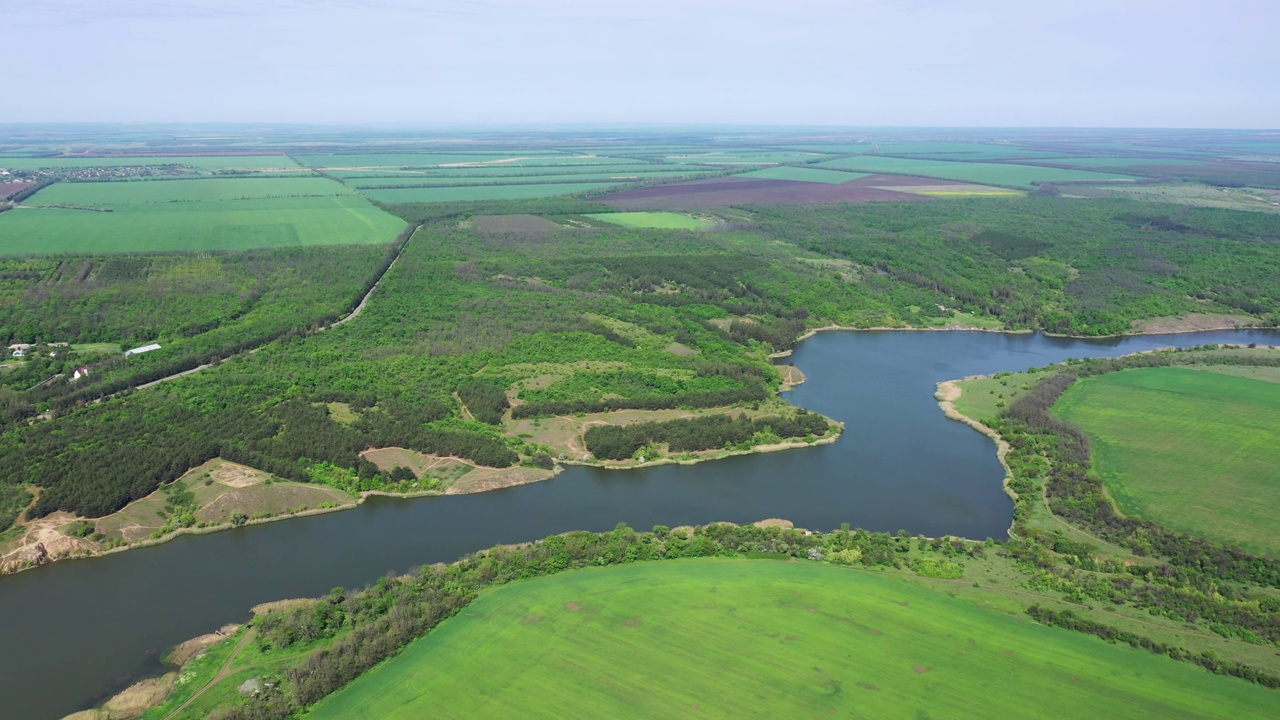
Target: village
28	352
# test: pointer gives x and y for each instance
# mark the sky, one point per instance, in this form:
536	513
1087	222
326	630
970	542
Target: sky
992	63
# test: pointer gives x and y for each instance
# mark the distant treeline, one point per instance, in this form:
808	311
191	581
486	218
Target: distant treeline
619	442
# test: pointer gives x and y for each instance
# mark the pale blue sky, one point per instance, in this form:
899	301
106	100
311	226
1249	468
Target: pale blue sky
1112	63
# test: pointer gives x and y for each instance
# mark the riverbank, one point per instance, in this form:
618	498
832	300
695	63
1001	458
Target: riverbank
948	392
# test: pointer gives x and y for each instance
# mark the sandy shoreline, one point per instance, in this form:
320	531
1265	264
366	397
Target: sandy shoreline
948	392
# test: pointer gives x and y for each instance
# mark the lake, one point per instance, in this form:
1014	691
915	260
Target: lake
75	631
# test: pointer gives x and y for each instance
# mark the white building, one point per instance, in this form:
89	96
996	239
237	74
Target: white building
140	350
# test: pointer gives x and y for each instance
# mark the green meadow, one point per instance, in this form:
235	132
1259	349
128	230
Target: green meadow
197	225
986	173
804	174
659	220
722	638
1194	451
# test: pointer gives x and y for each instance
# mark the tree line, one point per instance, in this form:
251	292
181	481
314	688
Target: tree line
619	442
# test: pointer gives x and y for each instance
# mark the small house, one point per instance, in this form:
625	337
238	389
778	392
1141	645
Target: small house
143	349
81	372
20	352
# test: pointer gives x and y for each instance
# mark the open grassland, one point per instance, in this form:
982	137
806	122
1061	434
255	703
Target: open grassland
185	226
481	192
1192	450
752	638
203	162
984	397
113	194
659	220
988	173
804	174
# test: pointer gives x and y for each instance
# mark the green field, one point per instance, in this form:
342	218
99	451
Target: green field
514	157
804	174
553	176
201	225
1194	451
987	173
208	162
481	192
114	194
753	638
662	220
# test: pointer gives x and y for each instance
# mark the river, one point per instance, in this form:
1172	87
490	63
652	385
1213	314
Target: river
74	631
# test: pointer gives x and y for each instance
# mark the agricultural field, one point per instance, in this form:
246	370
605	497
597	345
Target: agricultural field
457	180
755	638
115	194
804	174
185	215
740	190
1197	195
481	192
459	159
985	173
1194	451
200	162
658	220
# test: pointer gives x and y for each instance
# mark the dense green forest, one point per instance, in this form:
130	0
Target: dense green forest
582	319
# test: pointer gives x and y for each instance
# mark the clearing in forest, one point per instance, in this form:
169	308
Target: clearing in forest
758	638
1194	451
658	220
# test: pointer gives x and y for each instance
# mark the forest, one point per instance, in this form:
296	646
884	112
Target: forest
471	327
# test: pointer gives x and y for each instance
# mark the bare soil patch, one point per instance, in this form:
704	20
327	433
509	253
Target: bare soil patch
919	669
1193	322
728	191
482	479
10	189
196	645
529	620
681	350
631	622
572	607
514	225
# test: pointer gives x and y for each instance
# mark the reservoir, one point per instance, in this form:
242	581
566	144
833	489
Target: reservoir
74	631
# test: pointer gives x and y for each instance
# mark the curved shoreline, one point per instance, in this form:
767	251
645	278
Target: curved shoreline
945	403
947	393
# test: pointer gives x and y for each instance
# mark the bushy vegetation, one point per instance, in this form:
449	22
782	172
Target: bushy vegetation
1182	577
620	442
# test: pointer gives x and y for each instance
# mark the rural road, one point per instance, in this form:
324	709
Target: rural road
347	318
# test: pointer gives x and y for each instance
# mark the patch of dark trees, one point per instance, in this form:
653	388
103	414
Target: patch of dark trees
486	401
97	466
1205	659
619	442
752	392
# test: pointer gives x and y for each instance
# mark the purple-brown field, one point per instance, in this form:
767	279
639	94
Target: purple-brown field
727	191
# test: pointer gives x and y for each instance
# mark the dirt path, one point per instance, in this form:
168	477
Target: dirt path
349	317
223	673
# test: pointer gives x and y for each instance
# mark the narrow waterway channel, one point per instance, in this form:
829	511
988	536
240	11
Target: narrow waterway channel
74	631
